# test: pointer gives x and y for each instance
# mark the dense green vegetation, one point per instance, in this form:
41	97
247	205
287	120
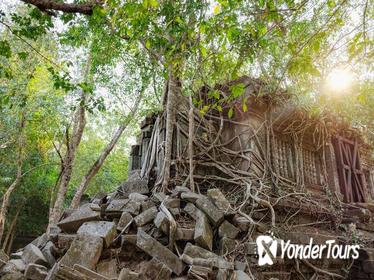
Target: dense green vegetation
100	61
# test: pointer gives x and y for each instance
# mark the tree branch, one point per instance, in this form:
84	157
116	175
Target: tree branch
46	5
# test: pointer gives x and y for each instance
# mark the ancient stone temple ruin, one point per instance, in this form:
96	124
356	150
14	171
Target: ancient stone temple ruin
320	155
270	171
317	173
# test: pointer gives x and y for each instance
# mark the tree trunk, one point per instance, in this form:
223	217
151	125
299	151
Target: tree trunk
96	166
9	191
72	145
11	229
5	204
174	91
105	153
79	124
10	243
54	191
191	128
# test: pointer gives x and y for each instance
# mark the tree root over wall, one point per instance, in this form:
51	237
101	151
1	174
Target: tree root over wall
260	187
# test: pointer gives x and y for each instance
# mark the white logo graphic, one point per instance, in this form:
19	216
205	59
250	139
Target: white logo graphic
266	249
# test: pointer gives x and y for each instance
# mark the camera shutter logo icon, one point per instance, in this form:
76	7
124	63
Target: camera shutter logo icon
266	249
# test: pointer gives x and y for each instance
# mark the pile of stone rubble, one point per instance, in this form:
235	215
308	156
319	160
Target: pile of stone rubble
136	235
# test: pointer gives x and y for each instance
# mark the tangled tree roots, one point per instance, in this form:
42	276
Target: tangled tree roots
204	154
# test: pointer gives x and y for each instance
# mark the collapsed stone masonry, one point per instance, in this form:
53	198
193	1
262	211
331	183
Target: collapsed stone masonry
135	235
139	235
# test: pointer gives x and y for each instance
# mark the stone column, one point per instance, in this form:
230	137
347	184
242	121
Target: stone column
332	170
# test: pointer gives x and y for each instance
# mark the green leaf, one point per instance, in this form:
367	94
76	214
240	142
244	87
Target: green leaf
23	55
217	9
237	90
230	113
179	20
202	28
5	49
203	51
262	29
214	94
5	73
245	107
86	87
331	3
362	98
147	44
99	11
316	45
153	3
204	109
